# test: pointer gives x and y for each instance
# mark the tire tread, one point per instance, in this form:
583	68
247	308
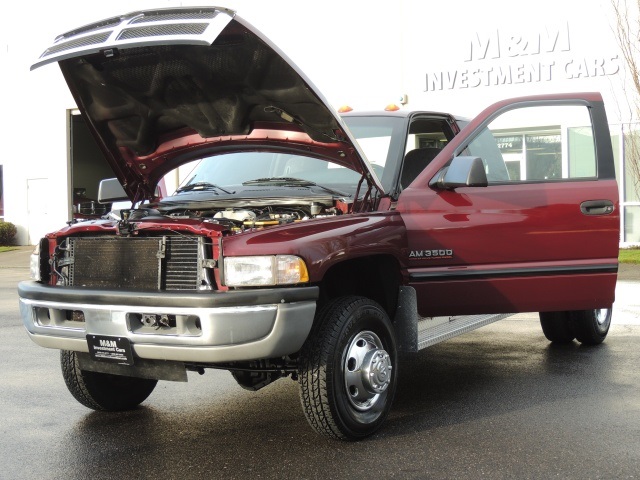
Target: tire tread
557	327
315	381
102	391
75	383
586	327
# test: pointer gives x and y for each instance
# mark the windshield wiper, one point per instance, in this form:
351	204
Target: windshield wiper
293	182
203	186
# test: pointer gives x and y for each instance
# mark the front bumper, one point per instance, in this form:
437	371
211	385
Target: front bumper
206	327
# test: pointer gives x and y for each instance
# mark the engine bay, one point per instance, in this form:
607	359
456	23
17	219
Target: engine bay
252	214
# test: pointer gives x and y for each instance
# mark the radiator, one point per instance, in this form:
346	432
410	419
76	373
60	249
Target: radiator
136	263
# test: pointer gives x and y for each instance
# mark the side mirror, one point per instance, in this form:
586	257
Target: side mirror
110	190
461	172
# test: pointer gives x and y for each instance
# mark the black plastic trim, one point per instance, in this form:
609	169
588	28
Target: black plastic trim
31	290
512	272
602	137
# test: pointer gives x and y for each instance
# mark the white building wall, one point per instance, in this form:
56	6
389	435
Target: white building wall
509	49
450	56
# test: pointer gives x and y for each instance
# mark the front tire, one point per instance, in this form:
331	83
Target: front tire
348	369
102	391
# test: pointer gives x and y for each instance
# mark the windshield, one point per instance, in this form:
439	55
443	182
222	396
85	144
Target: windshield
378	136
242	169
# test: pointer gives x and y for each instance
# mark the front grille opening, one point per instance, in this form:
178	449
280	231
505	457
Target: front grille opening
164	324
50	317
43	317
158	321
112	262
74	315
170	263
182	264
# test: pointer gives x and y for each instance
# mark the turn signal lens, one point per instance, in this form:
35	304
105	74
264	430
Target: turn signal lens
392	107
291	269
345	109
34	264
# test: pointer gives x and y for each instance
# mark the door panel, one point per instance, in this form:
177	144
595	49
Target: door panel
516	245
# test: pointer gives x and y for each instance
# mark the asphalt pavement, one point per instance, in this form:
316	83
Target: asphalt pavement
500	402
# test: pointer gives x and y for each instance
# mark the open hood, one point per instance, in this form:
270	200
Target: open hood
157	87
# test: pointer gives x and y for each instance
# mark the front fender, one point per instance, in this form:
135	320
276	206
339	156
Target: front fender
324	242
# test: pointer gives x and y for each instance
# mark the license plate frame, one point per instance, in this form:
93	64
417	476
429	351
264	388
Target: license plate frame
112	349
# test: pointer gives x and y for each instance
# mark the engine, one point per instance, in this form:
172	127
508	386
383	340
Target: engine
242	219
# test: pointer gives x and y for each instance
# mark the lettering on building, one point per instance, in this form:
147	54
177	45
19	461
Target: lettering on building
496	58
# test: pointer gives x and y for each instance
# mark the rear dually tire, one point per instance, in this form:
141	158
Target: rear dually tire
589	327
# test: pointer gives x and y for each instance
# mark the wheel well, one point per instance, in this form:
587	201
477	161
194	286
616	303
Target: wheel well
376	277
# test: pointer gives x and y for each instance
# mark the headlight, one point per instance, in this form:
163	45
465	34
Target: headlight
259	271
34	263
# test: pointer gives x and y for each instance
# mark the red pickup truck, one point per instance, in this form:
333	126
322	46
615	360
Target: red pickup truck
302	243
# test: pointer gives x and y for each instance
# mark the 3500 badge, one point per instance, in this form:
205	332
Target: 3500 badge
431	254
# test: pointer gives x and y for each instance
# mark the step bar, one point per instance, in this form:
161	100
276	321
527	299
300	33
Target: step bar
438	329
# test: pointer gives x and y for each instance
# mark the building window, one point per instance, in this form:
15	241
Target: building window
632	223
550	143
544	156
582	155
632	166
512	149
532	156
630	186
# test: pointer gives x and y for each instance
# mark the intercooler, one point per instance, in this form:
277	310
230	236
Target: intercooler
136	263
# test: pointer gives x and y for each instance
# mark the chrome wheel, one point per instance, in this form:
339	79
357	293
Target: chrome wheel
602	315
348	369
367	370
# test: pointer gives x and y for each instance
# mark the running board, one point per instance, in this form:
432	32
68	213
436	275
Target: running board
438	329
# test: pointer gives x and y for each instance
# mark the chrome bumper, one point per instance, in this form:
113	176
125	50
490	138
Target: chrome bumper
206	327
